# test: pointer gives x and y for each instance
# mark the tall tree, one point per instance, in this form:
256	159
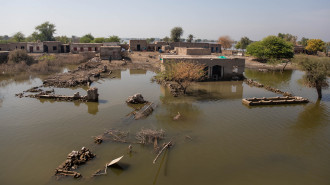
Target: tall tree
225	41
190	38
244	42
317	70
18	37
315	45
271	47
288	37
45	31
88	38
176	34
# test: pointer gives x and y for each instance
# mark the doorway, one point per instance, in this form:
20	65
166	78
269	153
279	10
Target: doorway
45	48
31	49
138	47
216	72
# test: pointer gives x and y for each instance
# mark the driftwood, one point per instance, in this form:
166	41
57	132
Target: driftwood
161	151
117	135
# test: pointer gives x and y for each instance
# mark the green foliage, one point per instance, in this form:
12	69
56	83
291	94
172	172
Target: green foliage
190	38
303	41
271	47
63	39
243	43
99	40
288	37
88	38
150	40
18	37
176	34
315	45
317	70
166	39
44	32
17	56
112	38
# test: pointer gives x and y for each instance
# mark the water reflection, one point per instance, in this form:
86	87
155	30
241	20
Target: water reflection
137	71
93	107
273	78
313	116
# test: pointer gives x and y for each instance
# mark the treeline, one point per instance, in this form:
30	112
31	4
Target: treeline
46	31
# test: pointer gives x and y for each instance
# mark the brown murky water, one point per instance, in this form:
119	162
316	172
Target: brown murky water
231	143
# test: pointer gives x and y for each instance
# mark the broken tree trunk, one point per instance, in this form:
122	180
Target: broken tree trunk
161	151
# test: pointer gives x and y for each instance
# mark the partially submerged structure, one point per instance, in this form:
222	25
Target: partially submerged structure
274	100
216	68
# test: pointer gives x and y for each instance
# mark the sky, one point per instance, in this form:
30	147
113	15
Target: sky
205	19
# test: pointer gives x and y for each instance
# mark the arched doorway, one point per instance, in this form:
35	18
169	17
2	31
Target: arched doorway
216	72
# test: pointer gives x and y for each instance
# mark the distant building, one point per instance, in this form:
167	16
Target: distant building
110	52
138	45
35	47
52	46
85	47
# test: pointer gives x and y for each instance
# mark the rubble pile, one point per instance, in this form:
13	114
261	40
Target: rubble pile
74	159
136	99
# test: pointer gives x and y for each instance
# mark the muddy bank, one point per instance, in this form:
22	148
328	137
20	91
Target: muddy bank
250	63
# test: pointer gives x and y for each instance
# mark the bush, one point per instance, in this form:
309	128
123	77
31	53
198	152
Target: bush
18	56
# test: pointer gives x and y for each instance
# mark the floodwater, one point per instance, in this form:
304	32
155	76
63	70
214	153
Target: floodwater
230	142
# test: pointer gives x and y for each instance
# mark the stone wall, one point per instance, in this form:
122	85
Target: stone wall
4	47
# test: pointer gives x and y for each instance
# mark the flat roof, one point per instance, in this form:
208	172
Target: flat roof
195	57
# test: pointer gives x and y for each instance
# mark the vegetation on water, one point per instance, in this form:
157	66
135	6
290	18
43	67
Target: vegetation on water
317	70
183	73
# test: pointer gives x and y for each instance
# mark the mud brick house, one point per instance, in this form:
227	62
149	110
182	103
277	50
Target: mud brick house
52	46
35	47
138	45
113	52
85	47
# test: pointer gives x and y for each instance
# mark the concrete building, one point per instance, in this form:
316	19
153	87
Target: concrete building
138	45
35	47
216	68
85	47
192	51
110	52
52	46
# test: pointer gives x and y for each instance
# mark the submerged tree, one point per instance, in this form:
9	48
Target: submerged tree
225	41
176	34
183	73
317	70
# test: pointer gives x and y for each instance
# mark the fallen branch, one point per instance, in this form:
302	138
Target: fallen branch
161	151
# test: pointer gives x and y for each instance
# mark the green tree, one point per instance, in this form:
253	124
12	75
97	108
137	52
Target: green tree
113	38
45	32
315	45
99	40
166	39
190	38
288	37
63	39
176	34
88	38
18	37
245	41
317	70
303	41
271	47
150	40
238	45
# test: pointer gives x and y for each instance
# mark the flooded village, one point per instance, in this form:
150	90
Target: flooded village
171	110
